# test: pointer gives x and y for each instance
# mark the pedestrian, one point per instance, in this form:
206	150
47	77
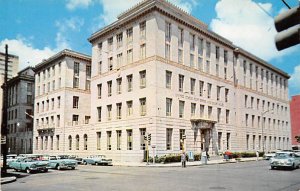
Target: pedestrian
183	160
257	155
207	155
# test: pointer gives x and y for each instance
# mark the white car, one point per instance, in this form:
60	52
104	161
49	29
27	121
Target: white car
285	160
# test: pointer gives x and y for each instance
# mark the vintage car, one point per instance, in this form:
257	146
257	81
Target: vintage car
78	159
59	163
29	165
268	156
97	160
285	160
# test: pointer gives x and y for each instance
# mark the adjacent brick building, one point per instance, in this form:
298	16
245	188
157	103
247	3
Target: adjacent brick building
295	119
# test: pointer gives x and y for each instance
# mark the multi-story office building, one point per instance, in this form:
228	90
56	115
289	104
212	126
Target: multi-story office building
13	66
19	111
157	70
62	99
295	119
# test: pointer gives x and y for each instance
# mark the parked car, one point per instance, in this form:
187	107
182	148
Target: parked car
29	165
78	159
61	163
268	156
285	160
97	160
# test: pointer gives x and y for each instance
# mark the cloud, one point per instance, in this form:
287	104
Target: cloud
249	26
112	8
294	81
28	55
73	4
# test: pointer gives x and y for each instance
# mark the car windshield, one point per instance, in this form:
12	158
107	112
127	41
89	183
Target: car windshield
282	155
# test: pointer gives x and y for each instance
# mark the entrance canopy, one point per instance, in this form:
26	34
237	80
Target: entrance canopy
200	123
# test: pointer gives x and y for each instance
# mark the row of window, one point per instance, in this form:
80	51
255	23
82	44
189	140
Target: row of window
13	94
48	122
50	86
270	107
129	79
25	146
267	122
50	71
129	110
271	144
49	104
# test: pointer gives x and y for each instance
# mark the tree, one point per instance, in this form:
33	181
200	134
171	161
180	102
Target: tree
297	138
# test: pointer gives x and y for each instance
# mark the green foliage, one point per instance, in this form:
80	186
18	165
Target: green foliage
171	158
298	138
246	154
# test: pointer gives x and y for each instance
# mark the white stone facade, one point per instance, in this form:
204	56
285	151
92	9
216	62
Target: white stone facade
138	72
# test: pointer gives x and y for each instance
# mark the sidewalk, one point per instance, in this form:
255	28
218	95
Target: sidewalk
178	164
8	179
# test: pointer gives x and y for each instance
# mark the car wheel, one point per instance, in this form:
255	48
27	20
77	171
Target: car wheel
293	167
73	168
84	162
58	167
272	167
46	170
96	163
28	171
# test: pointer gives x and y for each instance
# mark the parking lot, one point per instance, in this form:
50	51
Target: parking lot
236	176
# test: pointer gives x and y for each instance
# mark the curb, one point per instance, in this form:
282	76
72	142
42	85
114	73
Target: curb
7	180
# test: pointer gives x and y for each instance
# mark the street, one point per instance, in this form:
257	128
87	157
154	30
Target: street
236	176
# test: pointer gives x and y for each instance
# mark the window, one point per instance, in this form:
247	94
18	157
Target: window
217	69
246	101
85	139
201	85
192	61
109	88
143	79
58	120
192	42
209	112
119	85
181	37
168	107
110	43
29	99
142	140
201	111
119	40
75	82
100	47
129	139
87	119
119	136
119	110
181	80
181	133
180	56
219	115
207	66
99	109
247	120
218	92
119	60
181	109
110	64
58	102
108	140
193	83
52	103
217	53
57	142
143	106
227	116
247	142
208	49
193	109
226	94
75	101
53	85
29	87
167	52
129	108
169	139
98	140
109	107
228	141
76	69
100	67
129	83
129	56
48	87
59	83
168	79
143	51
129	34
70	142
99	87
75	119
208	90
168	32
200	64
143	30
225	57
200	46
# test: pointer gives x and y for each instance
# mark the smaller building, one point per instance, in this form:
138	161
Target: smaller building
20	111
295	119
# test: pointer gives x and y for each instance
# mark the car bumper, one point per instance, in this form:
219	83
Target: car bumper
38	169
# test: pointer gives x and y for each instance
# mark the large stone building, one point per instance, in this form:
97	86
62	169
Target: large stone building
19	112
62	99
13	66
295	119
157	70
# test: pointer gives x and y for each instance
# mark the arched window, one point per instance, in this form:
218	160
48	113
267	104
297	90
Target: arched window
70	142
77	142
85	142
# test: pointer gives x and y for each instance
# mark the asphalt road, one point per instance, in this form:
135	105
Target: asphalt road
238	176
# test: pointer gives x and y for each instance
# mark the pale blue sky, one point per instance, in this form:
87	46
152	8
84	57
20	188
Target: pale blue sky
37	29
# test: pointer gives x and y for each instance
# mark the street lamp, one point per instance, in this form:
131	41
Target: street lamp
262	130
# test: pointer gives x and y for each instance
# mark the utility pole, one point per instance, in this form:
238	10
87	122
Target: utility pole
4	116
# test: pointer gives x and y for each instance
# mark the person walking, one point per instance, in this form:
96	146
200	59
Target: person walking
257	155
183	160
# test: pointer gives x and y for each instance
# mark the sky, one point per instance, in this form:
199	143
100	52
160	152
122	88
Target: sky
37	29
